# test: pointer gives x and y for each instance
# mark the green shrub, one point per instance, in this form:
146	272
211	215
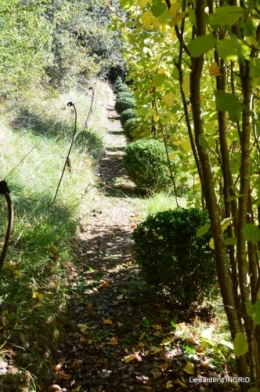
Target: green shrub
118	83
124	95
123	88
146	165
130	125
126	115
173	259
124	103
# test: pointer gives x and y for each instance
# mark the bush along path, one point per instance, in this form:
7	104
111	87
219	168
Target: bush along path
118	337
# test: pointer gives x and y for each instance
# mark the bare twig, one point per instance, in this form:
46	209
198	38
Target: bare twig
67	160
5	191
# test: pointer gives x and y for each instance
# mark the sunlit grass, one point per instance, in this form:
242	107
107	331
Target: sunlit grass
35	138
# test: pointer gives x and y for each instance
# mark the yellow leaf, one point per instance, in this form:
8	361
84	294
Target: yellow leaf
130	358
181	384
107	321
90	306
169	385
142	336
240	344
186	83
162	28
172	156
173	34
189	368
178	18
83	328
166	341
37	295
174	9
157	326
18	273
156	350
142	3
211	243
186	145
161	71
214	69
168	99
228	142
119	324
4	321
148	19
113	341
76	389
156	117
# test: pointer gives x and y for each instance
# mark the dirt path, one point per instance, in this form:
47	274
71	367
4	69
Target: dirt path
118	337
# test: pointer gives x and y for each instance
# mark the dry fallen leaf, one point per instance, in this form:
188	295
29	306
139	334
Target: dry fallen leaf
63	376
113	341
156	373
156	350
167	341
142	335
54	388
181	384
107	321
189	368
76	389
57	368
169	385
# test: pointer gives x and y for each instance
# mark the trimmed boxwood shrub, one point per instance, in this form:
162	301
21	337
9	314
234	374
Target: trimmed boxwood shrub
123	95
146	165
173	258
130	125
123	88
118	83
126	115
123	104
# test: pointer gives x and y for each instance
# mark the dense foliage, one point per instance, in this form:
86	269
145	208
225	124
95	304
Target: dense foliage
173	258
195	67
146	165
57	41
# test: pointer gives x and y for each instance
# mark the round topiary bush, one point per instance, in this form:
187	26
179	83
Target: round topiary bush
124	103
146	165
118	83
123	88
130	125
123	95
173	258
126	115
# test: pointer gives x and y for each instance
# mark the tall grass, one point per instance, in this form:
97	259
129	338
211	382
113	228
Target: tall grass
33	282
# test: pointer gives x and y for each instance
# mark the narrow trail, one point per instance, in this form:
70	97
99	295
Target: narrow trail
118	337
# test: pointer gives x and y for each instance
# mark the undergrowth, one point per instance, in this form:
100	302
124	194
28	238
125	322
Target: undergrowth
34	140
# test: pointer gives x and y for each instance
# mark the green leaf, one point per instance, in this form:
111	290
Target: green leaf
232	49
251	233
203	230
203	142
158	80
240	344
254	390
230	241
158	9
256	313
226	15
255	68
227	49
230	103
249	308
202	44
125	4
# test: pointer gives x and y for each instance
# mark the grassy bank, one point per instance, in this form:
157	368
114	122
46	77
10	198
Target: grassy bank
34	137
